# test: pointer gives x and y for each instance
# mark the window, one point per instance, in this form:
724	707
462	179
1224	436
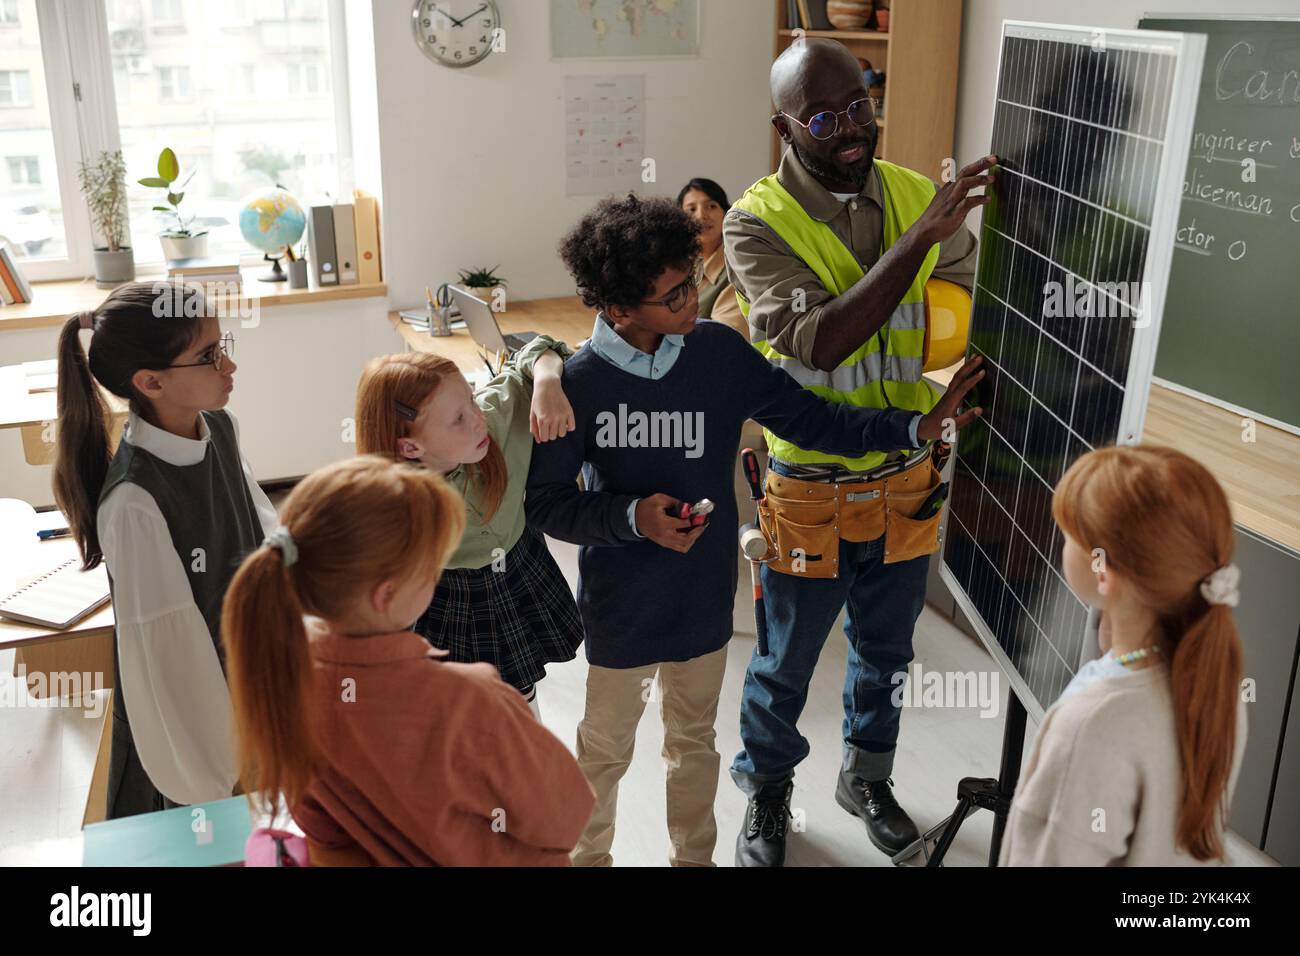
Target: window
8	13
168	13
255	115
125	10
31	203
238	13
173	83
15	88
216	94
305	9
310	79
24	170
241	83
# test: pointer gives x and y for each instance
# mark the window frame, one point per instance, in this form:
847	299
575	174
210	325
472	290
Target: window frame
12	84
172	18
175	73
84	122
28	164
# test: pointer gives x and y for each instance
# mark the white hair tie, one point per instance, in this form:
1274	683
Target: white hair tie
1221	586
281	538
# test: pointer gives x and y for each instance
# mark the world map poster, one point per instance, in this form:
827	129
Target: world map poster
624	28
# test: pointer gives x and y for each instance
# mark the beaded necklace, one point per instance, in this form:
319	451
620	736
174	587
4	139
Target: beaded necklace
1137	655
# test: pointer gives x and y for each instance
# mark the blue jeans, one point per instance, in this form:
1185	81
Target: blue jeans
884	601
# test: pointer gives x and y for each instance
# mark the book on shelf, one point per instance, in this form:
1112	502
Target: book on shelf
204	265
345	239
367	222
17	290
320	241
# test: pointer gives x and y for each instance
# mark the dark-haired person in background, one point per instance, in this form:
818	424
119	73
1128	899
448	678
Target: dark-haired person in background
706	202
657	425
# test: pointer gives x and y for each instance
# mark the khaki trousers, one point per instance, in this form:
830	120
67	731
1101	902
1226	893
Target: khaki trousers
688	703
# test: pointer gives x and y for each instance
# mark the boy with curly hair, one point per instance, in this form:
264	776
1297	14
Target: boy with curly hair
658	426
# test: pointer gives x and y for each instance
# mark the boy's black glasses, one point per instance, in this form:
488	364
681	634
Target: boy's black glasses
215	356
676	298
826	124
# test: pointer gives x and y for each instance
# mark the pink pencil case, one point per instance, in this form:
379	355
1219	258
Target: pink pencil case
268	847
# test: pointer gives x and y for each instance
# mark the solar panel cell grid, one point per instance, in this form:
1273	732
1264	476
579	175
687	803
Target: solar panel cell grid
1079	127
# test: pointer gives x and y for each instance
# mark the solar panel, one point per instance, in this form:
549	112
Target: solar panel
1091	129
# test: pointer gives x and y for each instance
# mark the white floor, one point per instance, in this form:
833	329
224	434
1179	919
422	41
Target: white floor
46	756
936	748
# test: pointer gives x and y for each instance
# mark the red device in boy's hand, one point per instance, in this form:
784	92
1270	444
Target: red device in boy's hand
697	513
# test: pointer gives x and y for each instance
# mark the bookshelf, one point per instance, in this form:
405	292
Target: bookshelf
919	56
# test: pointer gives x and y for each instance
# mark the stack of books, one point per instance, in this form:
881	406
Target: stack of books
206	270
14	288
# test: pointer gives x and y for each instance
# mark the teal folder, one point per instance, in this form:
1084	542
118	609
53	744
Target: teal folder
206	834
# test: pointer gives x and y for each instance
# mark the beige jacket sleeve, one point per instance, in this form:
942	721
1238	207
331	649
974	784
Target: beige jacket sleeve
727	311
1074	806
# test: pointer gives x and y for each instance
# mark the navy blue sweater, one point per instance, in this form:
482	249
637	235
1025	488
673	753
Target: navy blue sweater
640	603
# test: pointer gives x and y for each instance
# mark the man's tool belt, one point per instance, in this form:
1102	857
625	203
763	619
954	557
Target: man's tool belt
805	520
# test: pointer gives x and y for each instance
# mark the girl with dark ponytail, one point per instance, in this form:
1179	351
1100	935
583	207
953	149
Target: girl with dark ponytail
1136	762
171	511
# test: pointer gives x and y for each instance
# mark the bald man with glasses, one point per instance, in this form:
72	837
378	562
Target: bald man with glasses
829	257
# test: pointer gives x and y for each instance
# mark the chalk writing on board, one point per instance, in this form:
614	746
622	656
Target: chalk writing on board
1259	86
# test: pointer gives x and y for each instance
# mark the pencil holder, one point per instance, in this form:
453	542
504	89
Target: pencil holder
439	324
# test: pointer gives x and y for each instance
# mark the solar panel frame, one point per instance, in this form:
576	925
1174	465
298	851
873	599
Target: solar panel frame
1024	656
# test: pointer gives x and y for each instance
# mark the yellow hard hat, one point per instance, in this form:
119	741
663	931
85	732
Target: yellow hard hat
947	324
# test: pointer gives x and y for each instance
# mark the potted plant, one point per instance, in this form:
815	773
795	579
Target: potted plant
179	242
103	183
482	282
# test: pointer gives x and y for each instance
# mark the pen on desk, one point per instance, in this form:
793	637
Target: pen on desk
49	533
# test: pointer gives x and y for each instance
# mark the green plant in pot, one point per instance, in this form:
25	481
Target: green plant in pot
180	241
482	282
103	183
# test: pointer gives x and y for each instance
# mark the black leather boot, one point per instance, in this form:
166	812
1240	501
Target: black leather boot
762	836
889	827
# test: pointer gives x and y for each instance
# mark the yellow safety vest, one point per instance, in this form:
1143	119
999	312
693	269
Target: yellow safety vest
865	378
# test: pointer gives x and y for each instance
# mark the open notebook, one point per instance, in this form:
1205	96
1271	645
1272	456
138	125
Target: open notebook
60	598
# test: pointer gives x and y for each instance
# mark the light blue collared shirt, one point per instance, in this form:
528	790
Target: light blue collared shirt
610	346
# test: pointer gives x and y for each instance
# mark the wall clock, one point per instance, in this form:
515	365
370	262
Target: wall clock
455	33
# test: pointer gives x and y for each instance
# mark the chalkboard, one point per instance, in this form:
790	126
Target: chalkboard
1231	328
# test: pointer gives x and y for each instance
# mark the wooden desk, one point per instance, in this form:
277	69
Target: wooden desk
1261	478
32	412
565	318
86	647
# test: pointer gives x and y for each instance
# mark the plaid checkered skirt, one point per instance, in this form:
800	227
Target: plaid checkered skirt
517	619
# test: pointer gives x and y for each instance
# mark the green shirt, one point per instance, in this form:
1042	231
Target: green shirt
506	401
